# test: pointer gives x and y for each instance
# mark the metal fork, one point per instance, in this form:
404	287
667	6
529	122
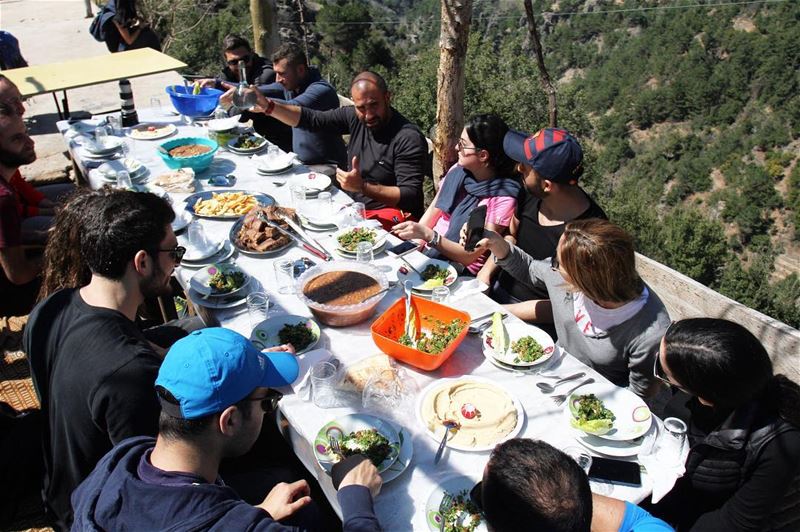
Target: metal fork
336	447
444	507
559	399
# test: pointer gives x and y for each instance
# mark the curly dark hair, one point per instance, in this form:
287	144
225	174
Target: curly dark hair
119	224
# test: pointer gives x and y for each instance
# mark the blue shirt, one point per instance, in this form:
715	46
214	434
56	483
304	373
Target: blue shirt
639	520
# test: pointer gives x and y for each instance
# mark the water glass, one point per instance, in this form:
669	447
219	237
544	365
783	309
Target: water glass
323	383
674	438
284	276
197	236
581	457
298	194
364	252
360	211
440	294
100	136
115	123
155	105
325	204
257	307
124	180
273	151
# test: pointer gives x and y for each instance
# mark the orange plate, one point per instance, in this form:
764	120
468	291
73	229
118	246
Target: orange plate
390	325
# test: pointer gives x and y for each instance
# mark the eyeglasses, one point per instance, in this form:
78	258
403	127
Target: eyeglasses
175	253
235	61
460	147
269	403
660	374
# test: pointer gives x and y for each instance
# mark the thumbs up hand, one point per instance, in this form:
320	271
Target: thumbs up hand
351	181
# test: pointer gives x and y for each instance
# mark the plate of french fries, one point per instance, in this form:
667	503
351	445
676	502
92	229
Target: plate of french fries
227	205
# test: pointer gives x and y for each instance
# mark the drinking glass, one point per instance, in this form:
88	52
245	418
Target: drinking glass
115	123
323	382
674	438
284	276
298	193
325	203
100	136
360	211
440	294
364	252
124	180
273	151
197	236
155	105
257	307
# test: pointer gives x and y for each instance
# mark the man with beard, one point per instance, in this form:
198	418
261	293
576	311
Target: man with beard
18	273
386	153
92	367
550	161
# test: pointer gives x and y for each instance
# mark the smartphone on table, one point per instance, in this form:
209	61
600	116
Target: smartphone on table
619	471
404	248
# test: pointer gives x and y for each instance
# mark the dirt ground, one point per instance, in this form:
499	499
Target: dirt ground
51	31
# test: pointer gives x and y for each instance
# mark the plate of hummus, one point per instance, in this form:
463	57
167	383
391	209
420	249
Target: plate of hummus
488	414
152	131
371	436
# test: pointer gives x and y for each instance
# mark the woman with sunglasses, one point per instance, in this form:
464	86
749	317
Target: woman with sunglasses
484	175
743	468
604	314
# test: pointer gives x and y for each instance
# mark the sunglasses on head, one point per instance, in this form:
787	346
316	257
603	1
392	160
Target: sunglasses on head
235	61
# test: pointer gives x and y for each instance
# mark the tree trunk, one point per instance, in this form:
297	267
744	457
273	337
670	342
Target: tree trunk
264	15
456	18
544	76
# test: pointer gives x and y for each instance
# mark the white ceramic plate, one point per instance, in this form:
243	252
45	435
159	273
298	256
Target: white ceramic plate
108	146
454	485
351	423
220	302
257	138
224	124
109	170
380	236
199	281
182	219
313	181
152	131
273	165
265	334
517	330
623	403
417	282
224	254
311	226
618	449
439	431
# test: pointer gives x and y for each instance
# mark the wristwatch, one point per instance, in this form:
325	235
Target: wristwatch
435	239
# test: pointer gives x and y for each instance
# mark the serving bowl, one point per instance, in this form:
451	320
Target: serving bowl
391	325
193	105
342	315
198	163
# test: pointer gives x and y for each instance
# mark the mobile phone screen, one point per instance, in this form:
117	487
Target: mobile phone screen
401	249
615	471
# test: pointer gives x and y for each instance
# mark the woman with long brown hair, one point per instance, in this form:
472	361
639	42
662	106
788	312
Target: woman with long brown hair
603	312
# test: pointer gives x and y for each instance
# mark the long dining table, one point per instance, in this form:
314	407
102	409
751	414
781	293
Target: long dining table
402	502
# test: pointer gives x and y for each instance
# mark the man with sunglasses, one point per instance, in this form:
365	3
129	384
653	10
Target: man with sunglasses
92	365
259	72
214	388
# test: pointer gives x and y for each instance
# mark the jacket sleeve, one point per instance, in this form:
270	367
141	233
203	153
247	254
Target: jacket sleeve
333	121
525	268
311	97
357	512
751	505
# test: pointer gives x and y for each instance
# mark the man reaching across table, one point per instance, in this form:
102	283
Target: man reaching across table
386	153
214	388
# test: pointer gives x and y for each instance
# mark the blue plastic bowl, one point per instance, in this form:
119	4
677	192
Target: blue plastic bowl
193	105
198	162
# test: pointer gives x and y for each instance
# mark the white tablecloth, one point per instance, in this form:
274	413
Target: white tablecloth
401	503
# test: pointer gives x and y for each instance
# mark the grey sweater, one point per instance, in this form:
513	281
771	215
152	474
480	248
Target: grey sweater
625	353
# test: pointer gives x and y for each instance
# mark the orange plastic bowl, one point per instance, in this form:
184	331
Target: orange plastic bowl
391	324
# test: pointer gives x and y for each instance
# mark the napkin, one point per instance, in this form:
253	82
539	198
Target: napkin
468	286
664	465
302	385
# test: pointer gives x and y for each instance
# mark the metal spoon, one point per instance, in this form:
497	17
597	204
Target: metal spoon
449	425
546	387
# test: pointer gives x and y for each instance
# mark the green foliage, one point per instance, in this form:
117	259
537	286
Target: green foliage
693	245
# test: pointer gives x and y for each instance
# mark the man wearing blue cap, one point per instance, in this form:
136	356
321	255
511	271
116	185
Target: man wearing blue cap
551	162
214	387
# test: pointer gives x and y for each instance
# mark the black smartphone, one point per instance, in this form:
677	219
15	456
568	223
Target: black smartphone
475	224
618	471
401	249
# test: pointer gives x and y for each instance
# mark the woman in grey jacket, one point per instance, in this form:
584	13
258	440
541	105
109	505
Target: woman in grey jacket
604	314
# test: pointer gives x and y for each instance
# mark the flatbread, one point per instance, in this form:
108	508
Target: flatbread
357	375
177	180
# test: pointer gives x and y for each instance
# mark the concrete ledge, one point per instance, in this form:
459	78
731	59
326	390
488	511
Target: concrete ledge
686	298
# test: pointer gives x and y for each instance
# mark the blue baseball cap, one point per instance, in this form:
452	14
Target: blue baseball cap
554	153
212	369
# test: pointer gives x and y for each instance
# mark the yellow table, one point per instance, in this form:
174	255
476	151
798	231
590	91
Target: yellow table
76	73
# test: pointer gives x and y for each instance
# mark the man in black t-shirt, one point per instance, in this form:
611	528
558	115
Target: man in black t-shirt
92	367
386	153
551	162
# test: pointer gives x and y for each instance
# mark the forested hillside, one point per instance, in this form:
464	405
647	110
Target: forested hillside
690	113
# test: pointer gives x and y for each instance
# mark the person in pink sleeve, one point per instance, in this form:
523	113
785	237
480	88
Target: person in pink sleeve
484	175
